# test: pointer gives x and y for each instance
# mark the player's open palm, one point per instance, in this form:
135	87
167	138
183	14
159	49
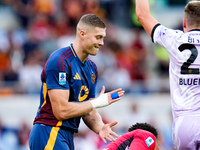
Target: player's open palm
106	132
114	95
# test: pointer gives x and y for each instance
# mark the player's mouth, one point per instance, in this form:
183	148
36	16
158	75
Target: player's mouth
97	47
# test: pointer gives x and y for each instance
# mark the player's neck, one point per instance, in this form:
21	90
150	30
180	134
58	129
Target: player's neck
191	28
79	52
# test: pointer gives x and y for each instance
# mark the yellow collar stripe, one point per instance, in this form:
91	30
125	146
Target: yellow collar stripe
73	50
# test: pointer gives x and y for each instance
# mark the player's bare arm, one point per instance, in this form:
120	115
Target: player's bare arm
63	109
94	121
144	16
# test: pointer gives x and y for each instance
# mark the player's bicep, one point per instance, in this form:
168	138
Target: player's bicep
59	100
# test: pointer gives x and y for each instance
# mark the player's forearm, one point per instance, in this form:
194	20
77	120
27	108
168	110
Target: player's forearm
94	121
63	109
142	9
144	16
72	109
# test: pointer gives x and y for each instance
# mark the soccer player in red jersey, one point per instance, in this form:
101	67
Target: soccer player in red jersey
141	136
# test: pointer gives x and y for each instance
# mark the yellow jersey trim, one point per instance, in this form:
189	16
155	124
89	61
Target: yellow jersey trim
44	94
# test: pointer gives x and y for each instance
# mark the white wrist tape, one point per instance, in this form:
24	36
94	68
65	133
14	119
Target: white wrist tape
100	101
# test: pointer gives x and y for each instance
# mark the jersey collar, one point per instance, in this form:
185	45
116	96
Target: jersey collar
75	55
194	30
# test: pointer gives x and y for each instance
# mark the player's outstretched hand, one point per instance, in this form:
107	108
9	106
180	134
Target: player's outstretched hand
106	99
114	95
106	132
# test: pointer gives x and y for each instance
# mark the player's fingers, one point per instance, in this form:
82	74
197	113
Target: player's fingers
102	90
120	93
110	138
114	134
116	95
104	140
114	100
113	123
114	91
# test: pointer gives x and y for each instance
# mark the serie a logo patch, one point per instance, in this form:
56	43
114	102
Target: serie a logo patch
62	78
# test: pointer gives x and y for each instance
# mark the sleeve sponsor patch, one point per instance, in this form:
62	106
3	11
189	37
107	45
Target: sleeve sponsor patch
149	141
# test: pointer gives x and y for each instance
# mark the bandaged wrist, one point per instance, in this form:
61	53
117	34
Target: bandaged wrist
100	101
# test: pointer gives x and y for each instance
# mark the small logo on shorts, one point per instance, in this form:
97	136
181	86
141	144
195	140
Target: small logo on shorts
62	78
149	141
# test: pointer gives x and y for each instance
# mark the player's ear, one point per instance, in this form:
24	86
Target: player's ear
82	34
184	23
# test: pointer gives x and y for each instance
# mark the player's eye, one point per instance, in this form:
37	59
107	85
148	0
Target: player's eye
99	37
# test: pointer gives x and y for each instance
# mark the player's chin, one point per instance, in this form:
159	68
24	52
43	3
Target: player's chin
93	54
95	51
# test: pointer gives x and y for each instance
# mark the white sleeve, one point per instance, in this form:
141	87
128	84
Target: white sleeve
165	37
